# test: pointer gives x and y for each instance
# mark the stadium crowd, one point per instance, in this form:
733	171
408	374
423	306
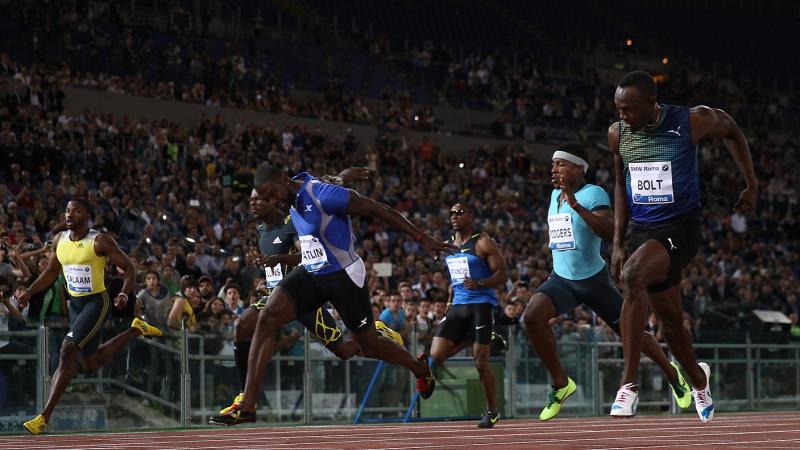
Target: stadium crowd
176	198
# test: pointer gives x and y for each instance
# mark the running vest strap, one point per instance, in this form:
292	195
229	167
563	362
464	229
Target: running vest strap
277	240
466	263
661	174
83	269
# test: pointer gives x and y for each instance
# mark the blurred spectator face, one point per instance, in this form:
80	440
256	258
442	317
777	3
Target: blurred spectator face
217	305
232	297
424	308
193	294
411	311
151	281
439	309
206	288
376	312
394	303
406	293
511	310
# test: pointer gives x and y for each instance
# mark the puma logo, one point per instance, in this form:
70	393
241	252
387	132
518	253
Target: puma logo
671	245
677	131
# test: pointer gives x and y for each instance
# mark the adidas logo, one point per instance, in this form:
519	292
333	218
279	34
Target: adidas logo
69	334
277	240
80	245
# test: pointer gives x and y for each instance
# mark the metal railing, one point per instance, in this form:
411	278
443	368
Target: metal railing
316	387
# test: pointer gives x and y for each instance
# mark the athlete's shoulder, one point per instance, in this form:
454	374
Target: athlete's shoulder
613	136
597	195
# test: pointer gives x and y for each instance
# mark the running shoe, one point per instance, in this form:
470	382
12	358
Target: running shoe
426	384
681	390
702	398
35	425
145	328
236	401
235	416
556	399
384	330
626	402
489	419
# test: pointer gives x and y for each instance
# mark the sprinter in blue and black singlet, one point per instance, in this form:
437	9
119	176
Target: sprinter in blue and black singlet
658	192
476	270
330	271
278	245
579	218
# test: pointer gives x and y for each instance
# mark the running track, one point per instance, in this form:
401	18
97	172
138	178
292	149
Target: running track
749	430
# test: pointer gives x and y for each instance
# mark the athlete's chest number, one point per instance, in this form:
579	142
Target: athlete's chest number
562	234
313	253
651	183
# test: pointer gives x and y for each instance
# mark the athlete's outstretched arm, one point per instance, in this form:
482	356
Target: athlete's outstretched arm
45	280
358	205
621	211
716	123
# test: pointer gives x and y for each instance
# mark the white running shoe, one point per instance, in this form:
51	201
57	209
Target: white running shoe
626	402
702	398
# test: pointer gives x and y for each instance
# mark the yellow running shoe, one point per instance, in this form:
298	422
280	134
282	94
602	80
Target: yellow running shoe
681	391
35	425
384	330
145	328
236	401
556	399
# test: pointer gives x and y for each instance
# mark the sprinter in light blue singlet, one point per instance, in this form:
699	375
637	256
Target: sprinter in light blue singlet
578	218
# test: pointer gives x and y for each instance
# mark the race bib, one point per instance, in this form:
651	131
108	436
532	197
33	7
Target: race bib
651	183
459	269
562	236
274	276
313	253
79	277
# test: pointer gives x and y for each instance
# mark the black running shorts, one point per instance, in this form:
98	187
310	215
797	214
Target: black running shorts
463	321
309	292
86	316
682	240
597	292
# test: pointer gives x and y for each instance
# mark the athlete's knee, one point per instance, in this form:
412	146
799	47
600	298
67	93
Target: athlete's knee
267	322
243	328
632	277
69	351
481	365
535	315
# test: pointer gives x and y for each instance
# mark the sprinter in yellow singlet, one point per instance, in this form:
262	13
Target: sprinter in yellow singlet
81	253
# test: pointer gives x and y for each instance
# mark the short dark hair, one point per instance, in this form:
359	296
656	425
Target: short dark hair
640	80
264	173
575	149
83	202
233	286
154	272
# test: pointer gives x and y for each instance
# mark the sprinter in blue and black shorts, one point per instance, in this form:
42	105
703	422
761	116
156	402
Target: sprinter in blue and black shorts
476	270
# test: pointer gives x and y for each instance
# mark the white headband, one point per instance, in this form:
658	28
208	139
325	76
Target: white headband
560	154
